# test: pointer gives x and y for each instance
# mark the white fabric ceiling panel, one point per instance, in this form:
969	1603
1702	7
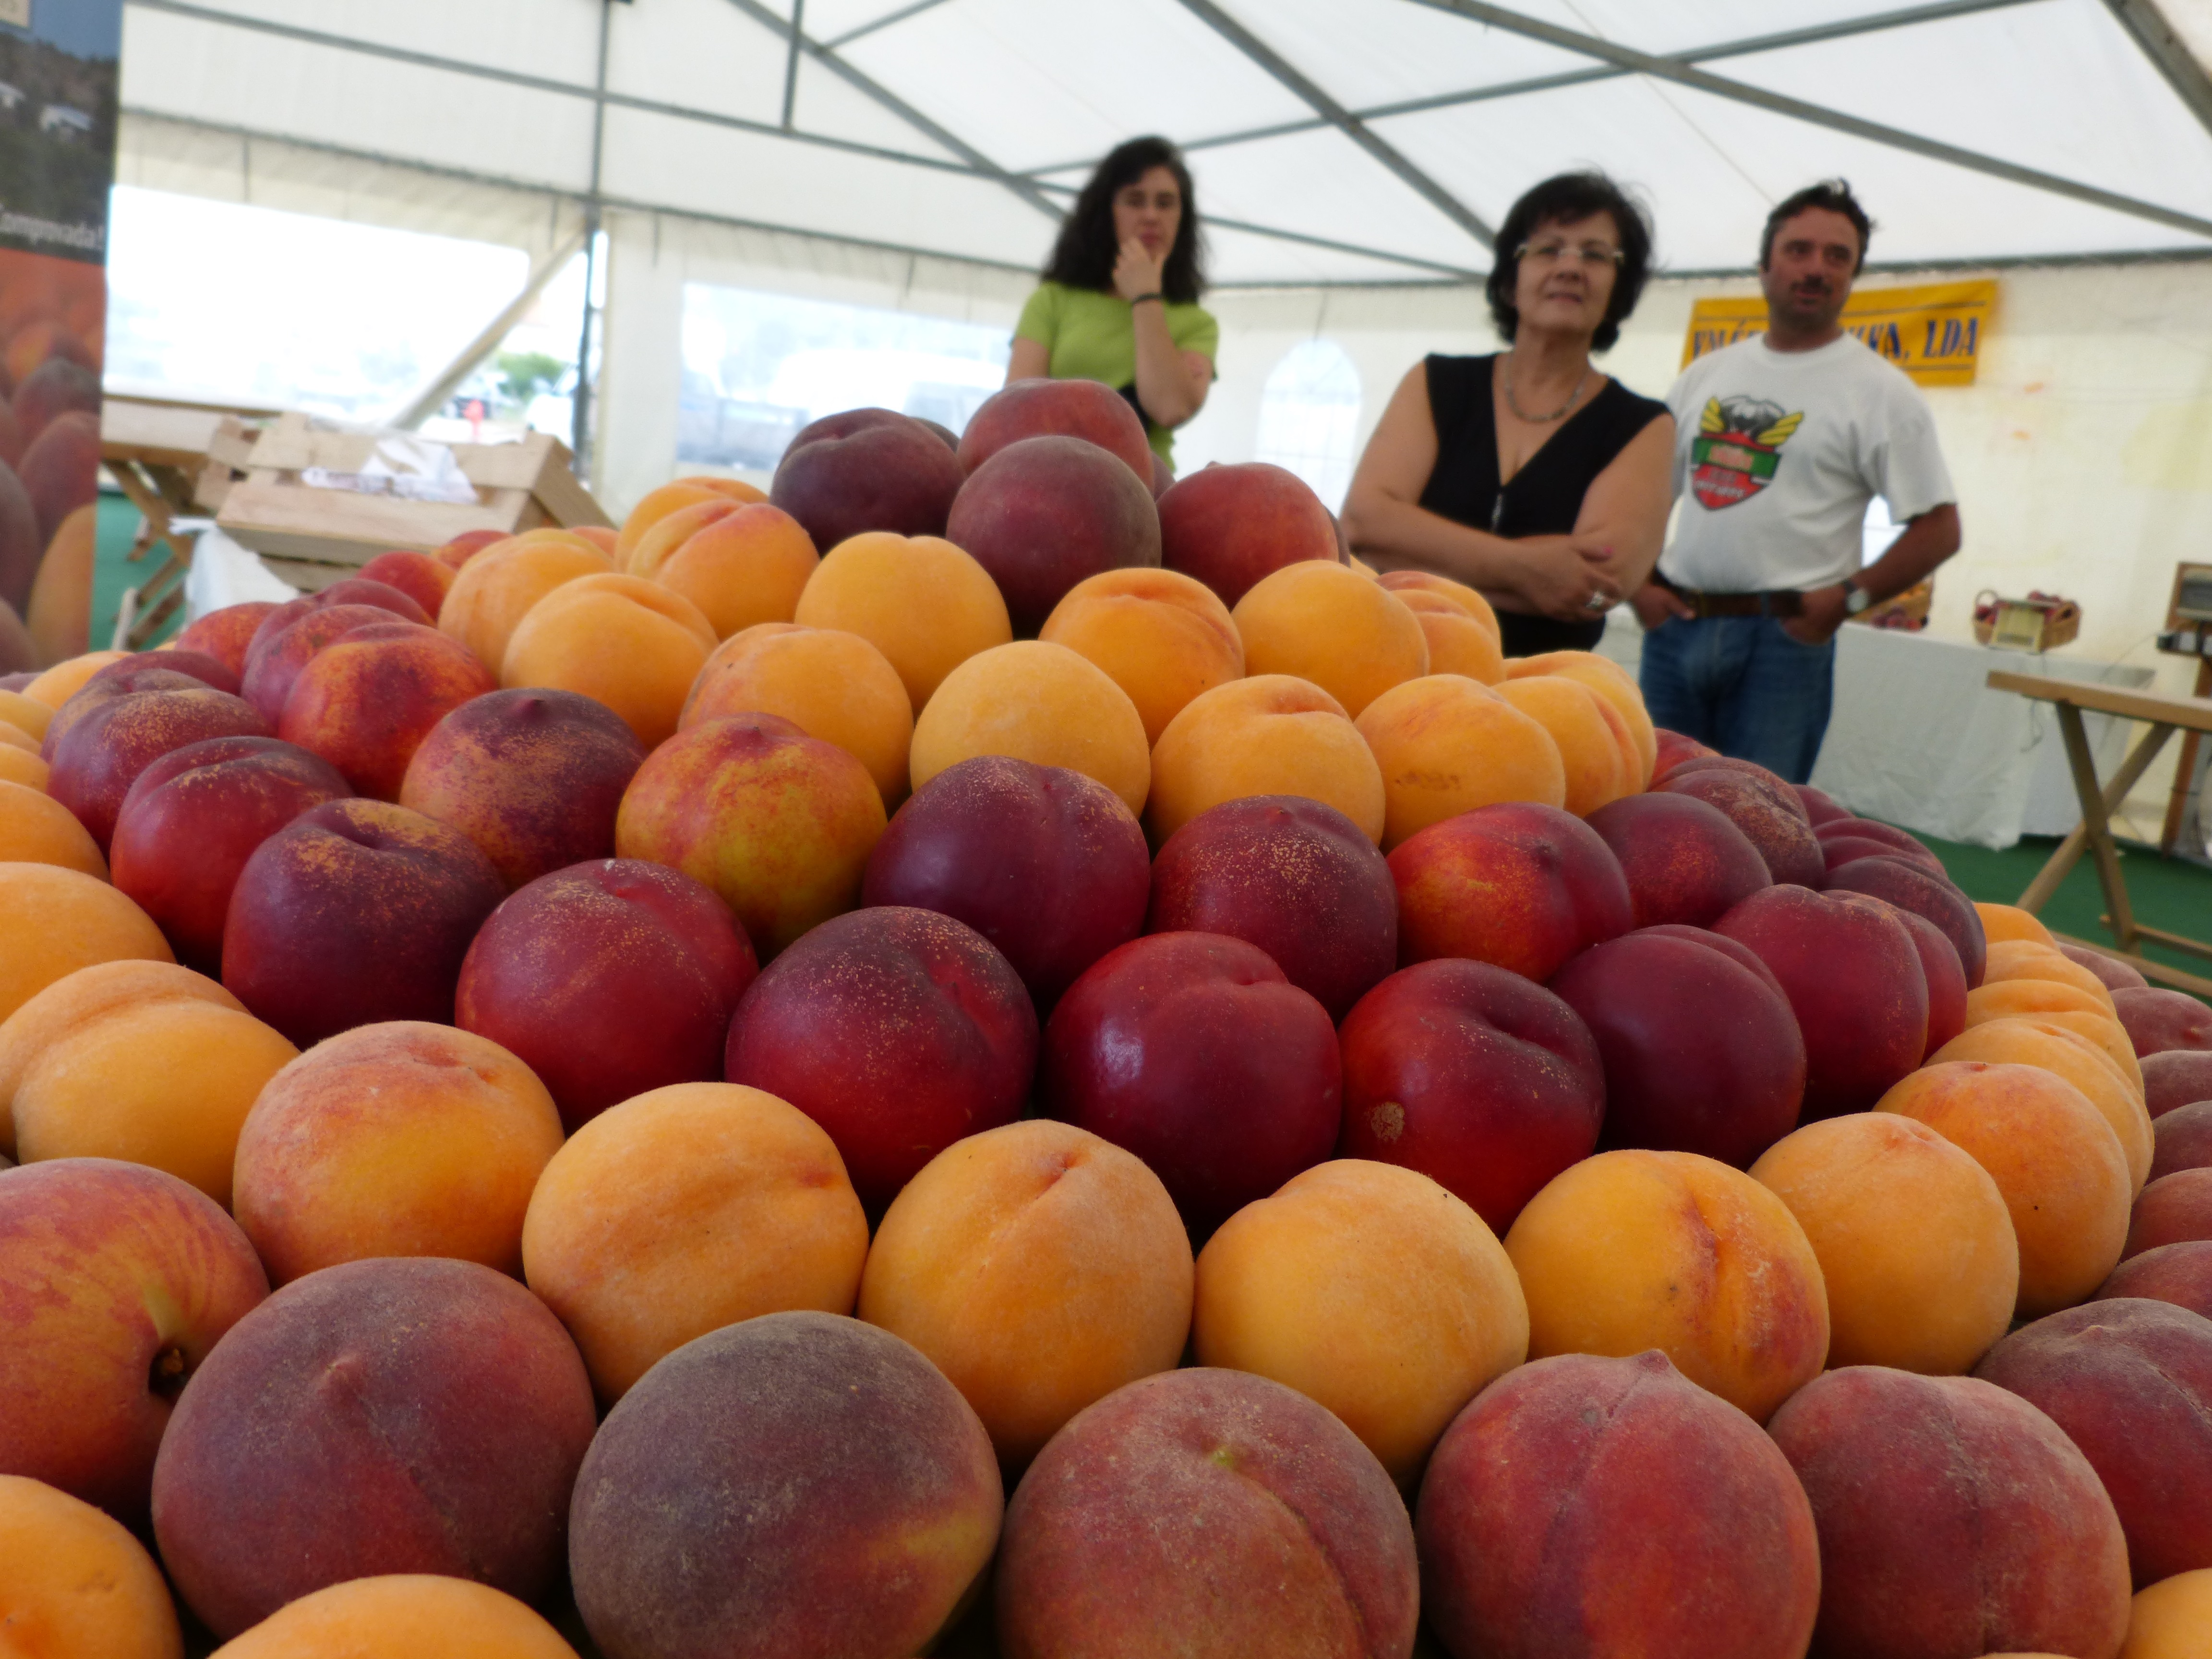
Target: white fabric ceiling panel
558	39
704	54
660	160
828	104
178	67
1682	26
1316	184
1032	85
1981	82
1364	54
832	20
1240	257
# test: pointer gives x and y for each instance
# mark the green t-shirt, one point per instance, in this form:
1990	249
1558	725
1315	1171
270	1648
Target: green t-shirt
1089	336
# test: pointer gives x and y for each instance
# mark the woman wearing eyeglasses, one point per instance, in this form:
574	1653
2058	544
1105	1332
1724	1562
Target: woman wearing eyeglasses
1531	475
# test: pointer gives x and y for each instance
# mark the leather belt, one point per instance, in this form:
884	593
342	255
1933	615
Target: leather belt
1779	602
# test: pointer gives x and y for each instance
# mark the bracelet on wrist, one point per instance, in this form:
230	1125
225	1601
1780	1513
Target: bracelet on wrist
1154	294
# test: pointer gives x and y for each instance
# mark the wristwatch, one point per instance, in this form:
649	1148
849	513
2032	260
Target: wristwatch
1856	598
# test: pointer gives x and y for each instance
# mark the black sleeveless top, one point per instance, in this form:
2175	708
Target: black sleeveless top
1545	497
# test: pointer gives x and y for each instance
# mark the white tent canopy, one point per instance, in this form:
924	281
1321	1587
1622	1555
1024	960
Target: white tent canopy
1333	141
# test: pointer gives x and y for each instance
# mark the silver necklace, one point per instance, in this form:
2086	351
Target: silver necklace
1558	414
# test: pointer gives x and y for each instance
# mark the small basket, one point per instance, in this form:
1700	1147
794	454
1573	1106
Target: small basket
2041	622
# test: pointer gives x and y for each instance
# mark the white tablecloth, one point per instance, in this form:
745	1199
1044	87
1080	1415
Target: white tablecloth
1917	739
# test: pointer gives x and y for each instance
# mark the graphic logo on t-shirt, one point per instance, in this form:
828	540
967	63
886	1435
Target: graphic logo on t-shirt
1737	449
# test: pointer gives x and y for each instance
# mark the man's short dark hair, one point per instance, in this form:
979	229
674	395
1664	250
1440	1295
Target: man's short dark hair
1084	256
1563	201
1833	194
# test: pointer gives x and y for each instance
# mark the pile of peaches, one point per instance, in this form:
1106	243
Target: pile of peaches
1075	1075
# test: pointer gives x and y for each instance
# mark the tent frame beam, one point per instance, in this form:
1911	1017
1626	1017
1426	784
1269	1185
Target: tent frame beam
1342	120
613	100
1873	24
1698	80
2169	54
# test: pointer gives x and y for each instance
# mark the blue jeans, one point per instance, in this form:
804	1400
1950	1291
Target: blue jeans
1741	685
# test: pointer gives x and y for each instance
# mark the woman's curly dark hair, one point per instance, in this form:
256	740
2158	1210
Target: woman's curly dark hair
1084	254
1562	201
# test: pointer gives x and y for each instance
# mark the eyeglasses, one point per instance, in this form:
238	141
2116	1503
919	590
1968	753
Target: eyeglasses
1587	254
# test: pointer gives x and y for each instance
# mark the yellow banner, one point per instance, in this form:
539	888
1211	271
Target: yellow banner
1934	331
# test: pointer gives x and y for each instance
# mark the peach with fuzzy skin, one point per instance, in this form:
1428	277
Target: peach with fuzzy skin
2008	921
633	644
1038	702
2130	1382
2175	1209
1723	1278
2117	974
607	979
57	921
283	647
23	766
74	1582
1590	1505
1611	682
36	829
1371	1288
420	577
1447	745
831	685
1523	885
745	566
408	1415
777	824
1233	526
1459	595
166	1082
1148	1524
98	757
655	507
1040	1268
498	586
685	1209
795	1484
2044	1002
2081	1063
2055	1160
27	714
534	778
1953	1518
1161	636
423	1615
2160	1021
919	601
194	817
227	634
1915	1244
465	546
1047	408
2182	1140
1458	644
1328	625
356	911
2168	1620
1595	746
1271	734
2176	1077
2025	959
81	999
396	1140
119	1281
365	701
57	684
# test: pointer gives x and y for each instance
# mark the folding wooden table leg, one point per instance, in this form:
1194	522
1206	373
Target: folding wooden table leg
2069	851
2098	824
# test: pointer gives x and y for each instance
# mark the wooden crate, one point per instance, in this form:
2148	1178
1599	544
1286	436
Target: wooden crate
312	536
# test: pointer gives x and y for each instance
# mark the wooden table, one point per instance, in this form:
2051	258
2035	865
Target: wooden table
2165	715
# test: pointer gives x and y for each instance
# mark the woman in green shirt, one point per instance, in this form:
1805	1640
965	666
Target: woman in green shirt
1119	303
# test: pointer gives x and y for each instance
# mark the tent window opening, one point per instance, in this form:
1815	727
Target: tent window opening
1309	415
229	303
758	367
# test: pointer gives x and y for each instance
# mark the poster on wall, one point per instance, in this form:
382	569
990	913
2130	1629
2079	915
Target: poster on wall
57	117
1934	331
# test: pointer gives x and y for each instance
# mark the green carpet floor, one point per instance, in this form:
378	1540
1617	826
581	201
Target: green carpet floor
113	571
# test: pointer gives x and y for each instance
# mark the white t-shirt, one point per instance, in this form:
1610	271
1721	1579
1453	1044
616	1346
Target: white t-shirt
1777	455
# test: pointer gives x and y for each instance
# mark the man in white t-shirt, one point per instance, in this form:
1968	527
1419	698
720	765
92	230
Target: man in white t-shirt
1783	439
